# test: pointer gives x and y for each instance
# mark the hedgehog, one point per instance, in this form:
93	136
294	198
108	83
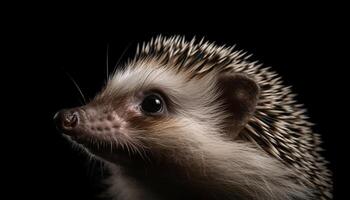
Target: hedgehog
195	120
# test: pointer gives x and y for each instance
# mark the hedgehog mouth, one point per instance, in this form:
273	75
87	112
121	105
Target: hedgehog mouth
105	150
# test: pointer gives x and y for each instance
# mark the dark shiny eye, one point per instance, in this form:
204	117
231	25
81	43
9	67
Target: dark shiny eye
152	104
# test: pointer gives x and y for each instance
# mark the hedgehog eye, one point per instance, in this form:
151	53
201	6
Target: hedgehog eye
152	104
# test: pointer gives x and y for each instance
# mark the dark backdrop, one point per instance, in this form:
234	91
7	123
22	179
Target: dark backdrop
301	48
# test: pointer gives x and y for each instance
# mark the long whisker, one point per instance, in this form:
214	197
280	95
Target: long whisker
76	86
107	63
137	148
122	55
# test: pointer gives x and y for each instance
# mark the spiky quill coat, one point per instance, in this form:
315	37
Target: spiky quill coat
271	153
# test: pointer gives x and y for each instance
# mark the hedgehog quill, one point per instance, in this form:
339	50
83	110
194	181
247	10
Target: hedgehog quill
194	120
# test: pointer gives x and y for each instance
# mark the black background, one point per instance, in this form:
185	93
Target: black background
303	46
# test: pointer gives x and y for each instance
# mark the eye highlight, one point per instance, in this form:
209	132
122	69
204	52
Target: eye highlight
152	104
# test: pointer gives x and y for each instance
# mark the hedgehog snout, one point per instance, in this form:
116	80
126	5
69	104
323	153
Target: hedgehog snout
87	121
67	120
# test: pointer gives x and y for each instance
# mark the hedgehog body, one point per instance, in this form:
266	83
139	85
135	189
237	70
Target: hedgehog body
229	128
279	125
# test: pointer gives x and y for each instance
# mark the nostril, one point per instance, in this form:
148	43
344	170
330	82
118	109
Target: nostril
66	119
70	120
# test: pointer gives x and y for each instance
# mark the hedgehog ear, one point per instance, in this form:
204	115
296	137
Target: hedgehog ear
240	95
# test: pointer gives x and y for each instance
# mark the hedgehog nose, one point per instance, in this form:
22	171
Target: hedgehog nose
66	120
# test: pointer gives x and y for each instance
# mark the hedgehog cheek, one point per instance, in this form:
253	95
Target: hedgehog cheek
240	95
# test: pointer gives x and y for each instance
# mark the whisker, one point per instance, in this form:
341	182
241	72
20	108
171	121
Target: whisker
136	149
111	144
107	63
101	168
76	86
122	55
